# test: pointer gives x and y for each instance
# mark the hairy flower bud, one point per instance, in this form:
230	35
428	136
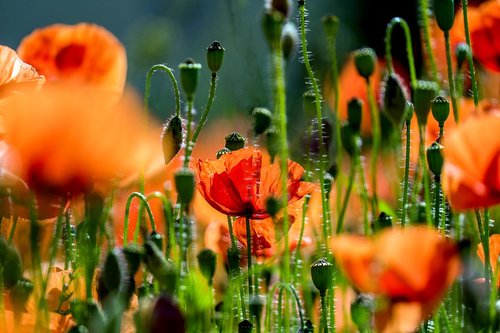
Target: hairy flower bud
365	59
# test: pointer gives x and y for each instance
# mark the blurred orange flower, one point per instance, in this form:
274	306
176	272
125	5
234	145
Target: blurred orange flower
240	182
471	176
15	73
411	268
65	141
83	53
494	244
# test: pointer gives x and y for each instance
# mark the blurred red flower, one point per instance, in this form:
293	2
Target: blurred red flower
494	245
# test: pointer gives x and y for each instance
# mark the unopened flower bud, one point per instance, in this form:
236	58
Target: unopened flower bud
333	170
365	59
184	183
245	327
330	25
171	138
423	94
444	12
440	109
435	158
394	96
221	152
207	260
309	102
289	41
273	206
383	221
133	254
189	71
354	113
328	181
272	24
322	275
11	263
362	311
163	271
21	292
235	141
410	109
215	56
462	52
273	142
348	138
157	239
262	119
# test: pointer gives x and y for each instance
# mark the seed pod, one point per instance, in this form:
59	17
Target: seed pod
348	138
273	142
171	138
444	12
365	59
256	304
383	221
272	24
440	109
289	41
322	275
184	184
245	327
235	141
221	152
330	25
354	113
215	56
435	158
462	52
207	260
273	206
394	96
262	119
189	71
423	94
362	311
282	6
410	109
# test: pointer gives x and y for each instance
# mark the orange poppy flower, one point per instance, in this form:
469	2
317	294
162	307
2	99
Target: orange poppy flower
65	141
14	72
494	244
411	268
240	182
484	27
83	53
471	176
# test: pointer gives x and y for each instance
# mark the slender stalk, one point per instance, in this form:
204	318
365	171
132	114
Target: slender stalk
486	245
144	201
407	174
364	192
170	73
167	211
375	116
302	228
451	81
322	150
324	321
203	119
249	255
352	174
424	24
469	56
437	203
409	47
190	104
424	173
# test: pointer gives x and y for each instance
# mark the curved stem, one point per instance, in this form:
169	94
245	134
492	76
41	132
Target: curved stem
144	202
451	81
322	150
169	72
203	119
409	47
375	115
424	24
407	174
302	228
469	56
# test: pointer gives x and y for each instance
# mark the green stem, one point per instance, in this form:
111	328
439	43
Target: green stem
167	211
322	148
302	228
450	76
437	203
424	173
352	174
324	322
424	24
375	115
13	229
409	47
407	174
249	255
203	119
144	202
486	245
190	103
169	72
469	56
364	191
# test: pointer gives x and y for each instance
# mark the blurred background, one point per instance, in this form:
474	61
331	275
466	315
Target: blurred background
156	31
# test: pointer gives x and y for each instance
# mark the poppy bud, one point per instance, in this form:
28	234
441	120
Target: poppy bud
394	96
114	275
11	264
333	170
207	260
330	25
272	24
157	239
354	114
409	111
328	181
462	52
171	138
289	40
444	12
322	275
235	141
256	304
383	221
362	311
21	292
245	327
273	142
163	271
440	109
215	56
262	119
133	254
365	59
435	158
189	71
348	138
309	103
221	152
184	183
273	206
423	94
307	328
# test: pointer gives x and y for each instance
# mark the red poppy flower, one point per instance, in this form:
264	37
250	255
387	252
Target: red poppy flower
239	183
471	176
83	53
494	245
412	268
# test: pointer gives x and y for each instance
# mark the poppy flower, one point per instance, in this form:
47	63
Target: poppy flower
410	268
484	27
471	176
494	247
64	141
83	53
240	182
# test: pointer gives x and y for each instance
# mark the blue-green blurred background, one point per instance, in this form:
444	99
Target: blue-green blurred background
171	30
